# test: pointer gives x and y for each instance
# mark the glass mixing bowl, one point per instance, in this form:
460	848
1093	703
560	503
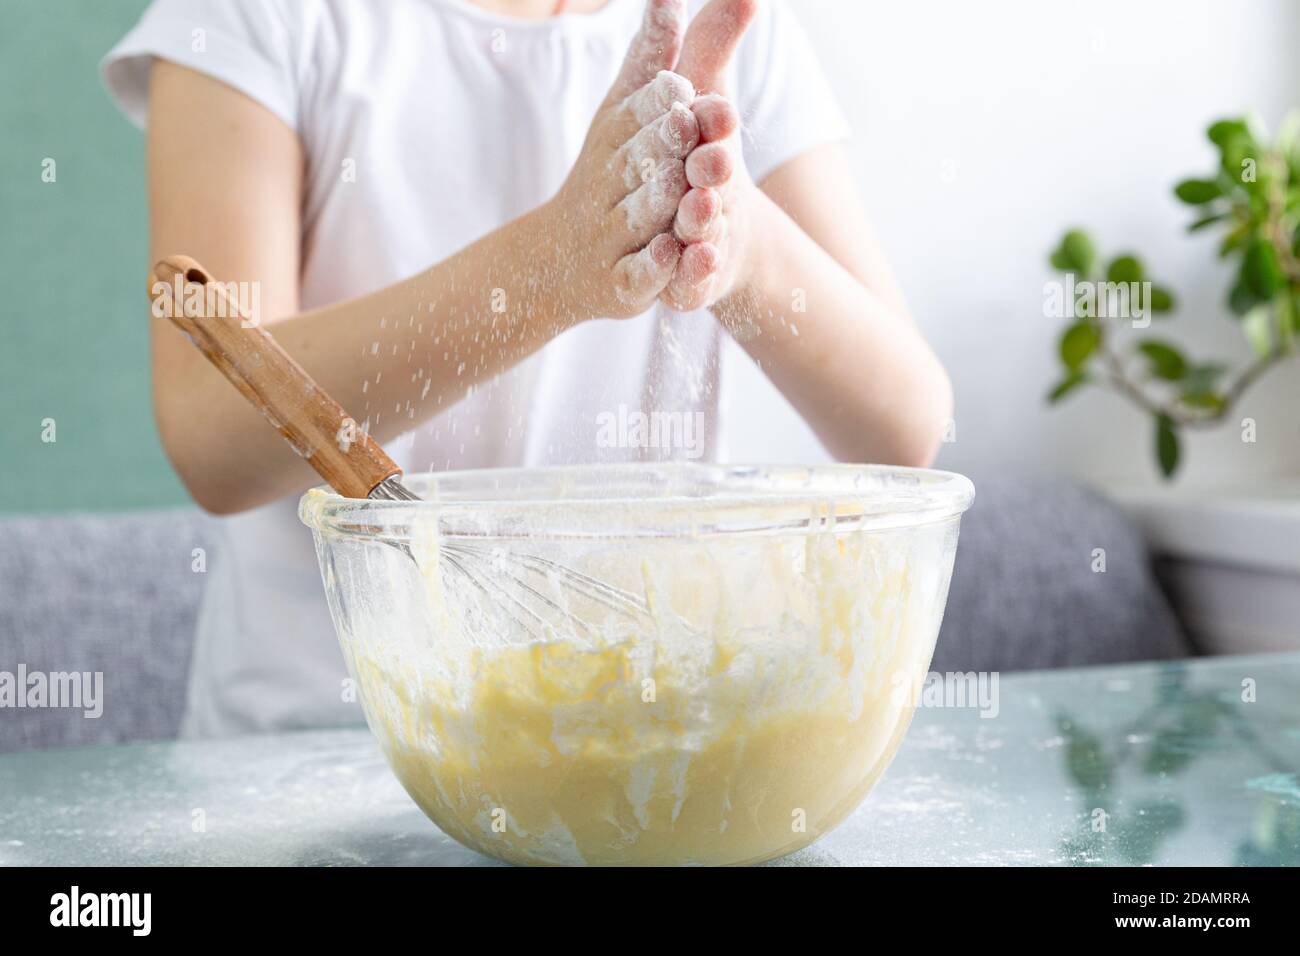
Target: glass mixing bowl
641	664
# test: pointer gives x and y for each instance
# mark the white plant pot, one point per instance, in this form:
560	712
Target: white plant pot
1230	561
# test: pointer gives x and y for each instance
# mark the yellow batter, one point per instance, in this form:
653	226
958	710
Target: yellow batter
735	743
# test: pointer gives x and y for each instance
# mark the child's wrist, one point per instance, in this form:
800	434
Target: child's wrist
551	268
763	226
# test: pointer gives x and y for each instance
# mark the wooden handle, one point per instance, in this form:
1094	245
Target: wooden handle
314	424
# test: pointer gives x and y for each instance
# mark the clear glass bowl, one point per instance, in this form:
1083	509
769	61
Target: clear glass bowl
641	664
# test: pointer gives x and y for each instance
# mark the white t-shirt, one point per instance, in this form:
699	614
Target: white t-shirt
425	125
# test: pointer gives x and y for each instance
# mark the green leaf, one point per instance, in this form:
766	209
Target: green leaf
1199	386
1257	324
1260	270
1234	240
1166	445
1079	247
1175	747
1086	304
1076	254
1239	144
1162	300
1078	342
1197	192
1085	757
1207	221
1201	379
1125	268
1066	386
1241	299
1171	751
1288	312
1166	361
1288	135
1211	401
1223	131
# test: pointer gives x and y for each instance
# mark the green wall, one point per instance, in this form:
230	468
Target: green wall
73	256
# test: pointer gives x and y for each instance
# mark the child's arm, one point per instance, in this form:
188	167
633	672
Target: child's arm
820	314
225	179
796	275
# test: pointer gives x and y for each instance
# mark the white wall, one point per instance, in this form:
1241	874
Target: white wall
983	131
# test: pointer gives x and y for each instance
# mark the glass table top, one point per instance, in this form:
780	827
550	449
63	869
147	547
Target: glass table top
1192	763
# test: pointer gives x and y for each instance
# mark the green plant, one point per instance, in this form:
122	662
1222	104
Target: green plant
1254	199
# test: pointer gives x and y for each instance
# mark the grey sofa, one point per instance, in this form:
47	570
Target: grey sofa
118	594
111	593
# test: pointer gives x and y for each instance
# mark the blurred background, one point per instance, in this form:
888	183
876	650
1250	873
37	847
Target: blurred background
984	131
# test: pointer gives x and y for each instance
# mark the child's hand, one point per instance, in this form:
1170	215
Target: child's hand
613	216
713	220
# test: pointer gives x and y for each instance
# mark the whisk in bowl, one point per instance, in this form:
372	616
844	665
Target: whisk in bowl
538	595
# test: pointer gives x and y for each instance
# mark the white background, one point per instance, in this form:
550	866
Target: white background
982	131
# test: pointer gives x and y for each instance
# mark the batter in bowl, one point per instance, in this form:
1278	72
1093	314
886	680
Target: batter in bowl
749	723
